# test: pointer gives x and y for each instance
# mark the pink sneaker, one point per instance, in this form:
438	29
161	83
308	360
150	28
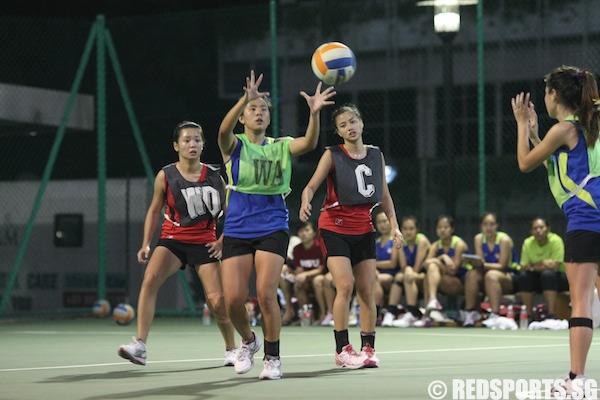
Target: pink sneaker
348	358
372	361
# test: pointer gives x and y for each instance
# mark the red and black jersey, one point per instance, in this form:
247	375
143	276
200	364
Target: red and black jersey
354	187
192	208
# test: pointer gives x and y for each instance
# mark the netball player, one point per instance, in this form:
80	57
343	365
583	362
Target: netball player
194	194
389	275
571	153
259	171
498	273
355	183
444	270
412	259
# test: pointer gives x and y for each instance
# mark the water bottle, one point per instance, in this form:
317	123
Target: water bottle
510	313
311	314
205	315
304	316
523	318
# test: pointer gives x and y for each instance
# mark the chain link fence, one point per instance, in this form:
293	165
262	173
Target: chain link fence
192	66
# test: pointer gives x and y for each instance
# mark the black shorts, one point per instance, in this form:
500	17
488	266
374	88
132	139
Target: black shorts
355	247
188	253
582	246
276	242
531	281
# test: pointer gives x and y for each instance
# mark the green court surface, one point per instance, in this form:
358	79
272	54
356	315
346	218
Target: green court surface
77	359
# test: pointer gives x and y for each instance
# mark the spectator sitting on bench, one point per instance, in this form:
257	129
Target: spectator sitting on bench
542	266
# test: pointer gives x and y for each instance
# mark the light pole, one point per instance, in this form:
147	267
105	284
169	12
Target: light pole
446	21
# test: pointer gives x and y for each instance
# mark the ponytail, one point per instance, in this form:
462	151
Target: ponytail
589	108
577	89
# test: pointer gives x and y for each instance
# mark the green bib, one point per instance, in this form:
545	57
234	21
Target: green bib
264	169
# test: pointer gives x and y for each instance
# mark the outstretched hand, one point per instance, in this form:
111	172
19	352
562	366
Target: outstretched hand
252	86
523	109
533	123
320	99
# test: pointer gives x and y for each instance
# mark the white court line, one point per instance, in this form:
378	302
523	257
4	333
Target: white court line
381	332
286	357
192	333
462	335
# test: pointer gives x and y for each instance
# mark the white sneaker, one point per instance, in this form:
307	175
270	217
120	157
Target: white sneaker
424	322
352	321
573	388
388	319
230	357
245	356
134	351
407	320
433	304
490	321
327	320
272	369
371	359
437	316
471	317
348	358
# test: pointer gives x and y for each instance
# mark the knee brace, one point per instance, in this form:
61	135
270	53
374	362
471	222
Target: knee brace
584	322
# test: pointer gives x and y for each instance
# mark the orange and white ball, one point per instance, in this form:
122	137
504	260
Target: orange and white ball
101	308
333	63
123	314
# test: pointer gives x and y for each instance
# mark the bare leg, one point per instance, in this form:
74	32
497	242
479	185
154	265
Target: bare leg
329	292
497	283
383	284
318	282
236	272
268	271
287	288
396	290
210	274
364	273
301	292
451	285
410	286
527	298
472	283
162	264
341	271
550	297
433	278
582	277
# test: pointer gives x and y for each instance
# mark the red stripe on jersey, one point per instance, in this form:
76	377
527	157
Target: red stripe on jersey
349	219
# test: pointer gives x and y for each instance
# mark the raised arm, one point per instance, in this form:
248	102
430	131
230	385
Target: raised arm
317	179
227	140
316	102
387	205
152	216
557	136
